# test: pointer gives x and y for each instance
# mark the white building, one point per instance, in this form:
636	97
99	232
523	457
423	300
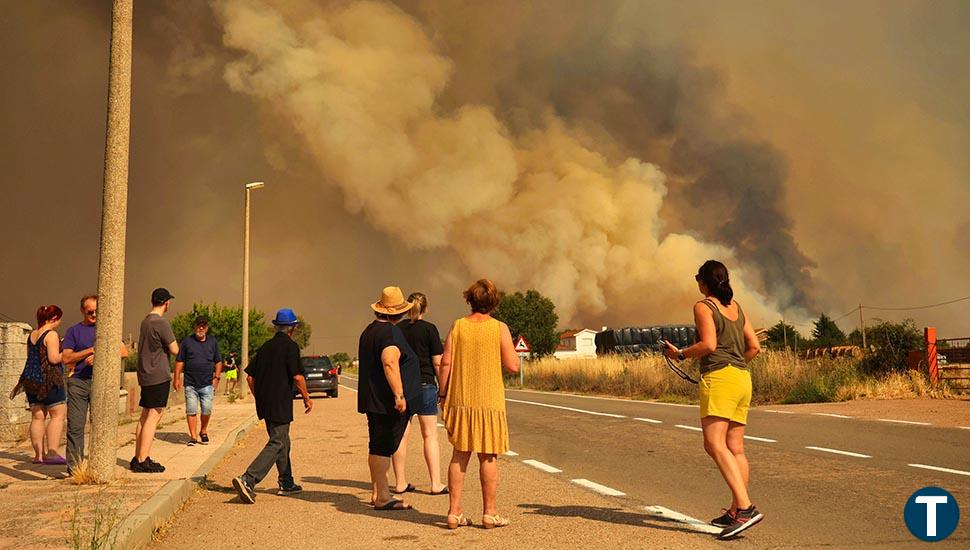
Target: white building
575	344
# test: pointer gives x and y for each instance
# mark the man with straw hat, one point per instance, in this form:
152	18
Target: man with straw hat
273	374
390	378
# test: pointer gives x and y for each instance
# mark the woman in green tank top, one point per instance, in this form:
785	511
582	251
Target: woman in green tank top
726	343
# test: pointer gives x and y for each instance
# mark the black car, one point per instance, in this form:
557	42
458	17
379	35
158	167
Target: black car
321	375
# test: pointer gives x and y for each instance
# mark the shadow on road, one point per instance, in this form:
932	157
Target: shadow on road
353	483
611	515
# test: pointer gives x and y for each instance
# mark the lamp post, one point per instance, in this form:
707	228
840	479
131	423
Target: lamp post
242	383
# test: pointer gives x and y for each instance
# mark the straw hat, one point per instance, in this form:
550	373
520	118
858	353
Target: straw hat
392	302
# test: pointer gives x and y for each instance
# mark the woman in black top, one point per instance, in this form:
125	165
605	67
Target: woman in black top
424	339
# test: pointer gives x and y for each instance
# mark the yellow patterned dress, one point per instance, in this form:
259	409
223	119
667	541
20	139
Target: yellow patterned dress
474	410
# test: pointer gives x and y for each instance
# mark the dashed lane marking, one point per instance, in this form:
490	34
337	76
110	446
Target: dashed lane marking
561	394
542	466
832	415
649	420
762	439
511	453
838	452
964	427
904	421
596	487
693	524
349	388
778	412
939	469
692	428
565	408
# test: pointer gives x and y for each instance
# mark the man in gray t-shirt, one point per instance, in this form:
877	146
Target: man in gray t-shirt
156	342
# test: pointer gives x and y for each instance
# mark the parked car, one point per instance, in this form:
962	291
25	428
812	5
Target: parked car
321	375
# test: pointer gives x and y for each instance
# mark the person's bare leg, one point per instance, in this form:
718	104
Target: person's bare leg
378	466
37	429
146	436
55	428
429	433
205	423
138	425
488	474
399	461
715	443
735	443
192	431
456	479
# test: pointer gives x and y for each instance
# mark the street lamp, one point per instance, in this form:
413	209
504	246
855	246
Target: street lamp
242	383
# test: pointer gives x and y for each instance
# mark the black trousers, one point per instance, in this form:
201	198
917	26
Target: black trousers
276	451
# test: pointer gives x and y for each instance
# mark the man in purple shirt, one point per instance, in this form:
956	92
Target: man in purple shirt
78	353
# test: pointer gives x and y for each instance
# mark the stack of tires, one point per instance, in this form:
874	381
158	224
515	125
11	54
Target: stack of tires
638	340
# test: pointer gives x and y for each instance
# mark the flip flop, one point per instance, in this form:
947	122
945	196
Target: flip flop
409	489
393	504
35	461
441	492
55	460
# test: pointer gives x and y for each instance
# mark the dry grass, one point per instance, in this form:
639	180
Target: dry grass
777	377
82	474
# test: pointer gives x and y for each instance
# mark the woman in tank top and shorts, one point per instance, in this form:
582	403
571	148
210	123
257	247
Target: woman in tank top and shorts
727	342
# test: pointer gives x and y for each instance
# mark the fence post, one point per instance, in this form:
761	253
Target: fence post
929	335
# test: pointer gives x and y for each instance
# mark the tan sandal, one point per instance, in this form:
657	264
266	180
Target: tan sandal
454	522
490	522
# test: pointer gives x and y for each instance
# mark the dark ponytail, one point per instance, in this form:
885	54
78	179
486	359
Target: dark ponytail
714	275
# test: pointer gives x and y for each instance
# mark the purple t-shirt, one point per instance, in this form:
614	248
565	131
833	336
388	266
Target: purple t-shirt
79	338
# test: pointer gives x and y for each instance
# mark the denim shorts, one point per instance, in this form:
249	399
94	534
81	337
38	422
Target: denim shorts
429	401
195	396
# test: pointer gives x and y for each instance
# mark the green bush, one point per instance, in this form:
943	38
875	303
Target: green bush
889	344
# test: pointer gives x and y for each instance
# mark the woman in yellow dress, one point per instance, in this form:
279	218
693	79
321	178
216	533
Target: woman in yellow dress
476	350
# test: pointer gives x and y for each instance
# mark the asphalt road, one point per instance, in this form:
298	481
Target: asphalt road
812	494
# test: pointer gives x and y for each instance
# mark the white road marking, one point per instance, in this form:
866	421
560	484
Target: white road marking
601	489
565	408
778	412
833	415
511	453
349	388
649	420
939	469
354	378
692	523
542	466
694	428
838	452
563	394
763	439
904	421
964	427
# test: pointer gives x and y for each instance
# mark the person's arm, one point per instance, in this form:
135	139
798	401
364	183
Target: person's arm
54	355
71	357
173	347
295	370
444	369
752	346
390	358
706	336
124	351
251	380
179	365
510	359
436	364
436	351
215	377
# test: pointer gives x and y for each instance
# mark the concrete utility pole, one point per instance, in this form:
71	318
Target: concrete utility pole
241	383
862	329
111	272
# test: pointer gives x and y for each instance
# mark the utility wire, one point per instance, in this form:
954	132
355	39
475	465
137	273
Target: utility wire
916	307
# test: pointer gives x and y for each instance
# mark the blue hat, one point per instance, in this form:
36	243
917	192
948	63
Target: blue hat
285	318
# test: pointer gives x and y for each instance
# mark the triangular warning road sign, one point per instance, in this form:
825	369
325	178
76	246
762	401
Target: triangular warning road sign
522	346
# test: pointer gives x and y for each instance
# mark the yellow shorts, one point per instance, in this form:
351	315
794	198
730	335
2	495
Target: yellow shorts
231	374
726	393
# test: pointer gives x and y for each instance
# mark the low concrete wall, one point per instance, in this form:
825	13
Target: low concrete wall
14	415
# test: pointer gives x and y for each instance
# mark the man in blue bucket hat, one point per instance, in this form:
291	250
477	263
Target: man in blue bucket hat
273	375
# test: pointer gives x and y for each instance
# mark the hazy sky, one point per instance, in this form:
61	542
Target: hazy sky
598	151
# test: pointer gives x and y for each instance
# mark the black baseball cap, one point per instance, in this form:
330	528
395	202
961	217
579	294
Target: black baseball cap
161	295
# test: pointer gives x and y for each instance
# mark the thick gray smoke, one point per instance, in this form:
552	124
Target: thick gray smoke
532	203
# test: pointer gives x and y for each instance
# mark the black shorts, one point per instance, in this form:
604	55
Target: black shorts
155	396
385	432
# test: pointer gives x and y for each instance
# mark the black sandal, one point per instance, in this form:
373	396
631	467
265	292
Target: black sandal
441	492
393	504
409	489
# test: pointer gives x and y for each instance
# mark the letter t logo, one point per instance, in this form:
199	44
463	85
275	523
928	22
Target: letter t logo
931	502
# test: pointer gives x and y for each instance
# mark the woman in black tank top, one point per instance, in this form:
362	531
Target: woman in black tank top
727	342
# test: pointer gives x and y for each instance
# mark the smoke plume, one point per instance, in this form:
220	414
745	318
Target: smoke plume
531	203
